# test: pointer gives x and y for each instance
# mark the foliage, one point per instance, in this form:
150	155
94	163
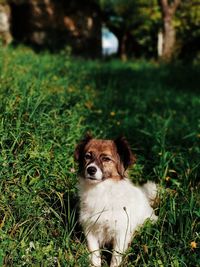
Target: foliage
139	19
142	19
47	103
187	22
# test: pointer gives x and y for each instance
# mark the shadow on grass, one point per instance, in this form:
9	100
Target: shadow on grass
156	107
175	77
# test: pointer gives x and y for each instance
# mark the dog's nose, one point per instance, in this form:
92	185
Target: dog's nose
91	170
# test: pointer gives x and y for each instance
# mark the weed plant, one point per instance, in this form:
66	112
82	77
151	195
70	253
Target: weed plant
47	103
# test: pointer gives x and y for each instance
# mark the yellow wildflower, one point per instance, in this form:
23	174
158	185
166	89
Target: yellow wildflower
167	178
193	245
145	248
112	113
89	104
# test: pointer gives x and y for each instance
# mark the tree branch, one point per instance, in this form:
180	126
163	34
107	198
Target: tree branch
168	8
175	5
164	5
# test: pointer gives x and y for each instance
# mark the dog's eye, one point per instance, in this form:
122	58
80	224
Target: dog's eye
106	159
88	156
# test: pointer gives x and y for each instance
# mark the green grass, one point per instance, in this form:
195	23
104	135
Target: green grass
47	103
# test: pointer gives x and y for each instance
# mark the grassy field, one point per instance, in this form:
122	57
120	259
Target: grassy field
47	103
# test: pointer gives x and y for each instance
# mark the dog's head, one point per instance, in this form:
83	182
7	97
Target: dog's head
103	159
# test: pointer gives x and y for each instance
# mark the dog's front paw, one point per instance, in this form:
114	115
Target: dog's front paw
95	260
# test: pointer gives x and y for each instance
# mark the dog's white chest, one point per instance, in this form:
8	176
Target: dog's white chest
111	206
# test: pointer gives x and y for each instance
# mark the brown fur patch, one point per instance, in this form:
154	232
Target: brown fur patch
101	149
112	157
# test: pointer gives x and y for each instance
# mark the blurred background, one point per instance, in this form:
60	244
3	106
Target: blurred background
152	29
63	73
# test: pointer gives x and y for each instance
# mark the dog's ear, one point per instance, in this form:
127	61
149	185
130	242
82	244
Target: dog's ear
78	153
124	151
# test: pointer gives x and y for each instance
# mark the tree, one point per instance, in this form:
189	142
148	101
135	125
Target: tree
168	9
135	23
5	34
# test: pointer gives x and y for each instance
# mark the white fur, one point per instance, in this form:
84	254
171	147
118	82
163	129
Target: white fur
150	190
111	211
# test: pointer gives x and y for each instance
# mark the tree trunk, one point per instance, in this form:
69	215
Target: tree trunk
5	34
123	52
160	44
169	32
169	39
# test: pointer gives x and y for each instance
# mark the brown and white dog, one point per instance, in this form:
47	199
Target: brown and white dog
111	207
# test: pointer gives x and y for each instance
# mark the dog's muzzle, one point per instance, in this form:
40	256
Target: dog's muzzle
93	172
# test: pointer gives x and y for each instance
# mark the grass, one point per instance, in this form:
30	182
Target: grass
47	103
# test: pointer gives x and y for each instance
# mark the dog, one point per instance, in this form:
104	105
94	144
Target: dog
111	207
